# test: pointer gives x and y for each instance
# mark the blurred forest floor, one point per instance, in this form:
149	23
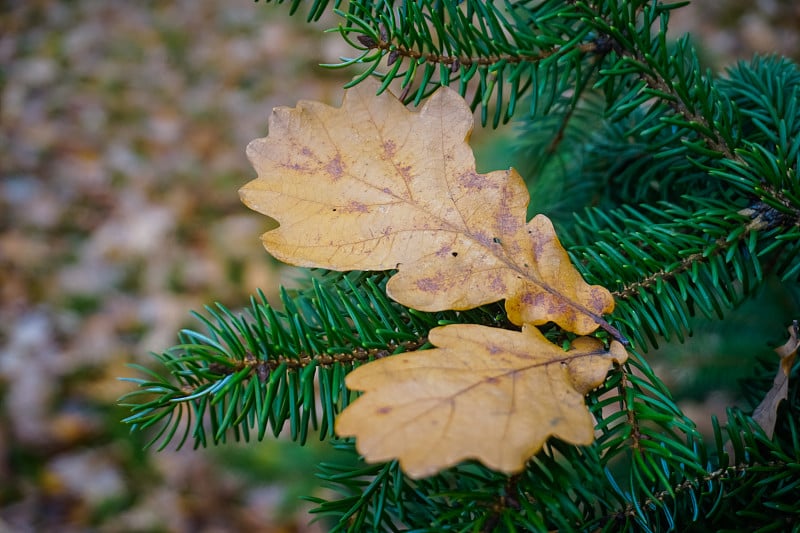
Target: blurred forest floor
122	135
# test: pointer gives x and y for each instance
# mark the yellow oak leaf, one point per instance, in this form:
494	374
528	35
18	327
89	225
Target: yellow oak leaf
485	393
374	186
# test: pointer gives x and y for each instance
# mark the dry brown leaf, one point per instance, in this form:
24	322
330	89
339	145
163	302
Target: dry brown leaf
374	186
485	393
766	414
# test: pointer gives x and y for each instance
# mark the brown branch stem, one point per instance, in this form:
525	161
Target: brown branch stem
262	368
722	474
721	245
630	414
455	61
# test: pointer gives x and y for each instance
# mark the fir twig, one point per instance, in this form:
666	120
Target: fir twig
456	61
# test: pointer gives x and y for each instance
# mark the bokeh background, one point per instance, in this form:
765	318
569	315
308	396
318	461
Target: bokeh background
122	135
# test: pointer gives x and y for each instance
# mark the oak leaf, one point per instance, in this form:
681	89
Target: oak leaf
766	414
374	186
484	393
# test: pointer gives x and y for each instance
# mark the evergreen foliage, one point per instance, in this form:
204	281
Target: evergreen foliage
672	186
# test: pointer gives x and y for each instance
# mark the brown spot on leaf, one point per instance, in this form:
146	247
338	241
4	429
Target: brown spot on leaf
443	251
472	180
389	149
432	284
536	299
483	239
405	171
297	167
335	168
498	285
508	223
357	207
539	248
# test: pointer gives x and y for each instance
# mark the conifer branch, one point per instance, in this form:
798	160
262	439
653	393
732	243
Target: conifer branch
763	218
679	106
261	368
720	475
455	62
686	264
